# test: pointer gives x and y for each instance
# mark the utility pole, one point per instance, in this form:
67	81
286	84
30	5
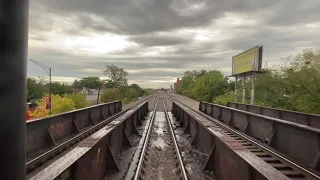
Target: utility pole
50	103
48	71
13	54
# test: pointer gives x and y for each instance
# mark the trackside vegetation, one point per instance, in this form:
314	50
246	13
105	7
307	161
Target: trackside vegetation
293	84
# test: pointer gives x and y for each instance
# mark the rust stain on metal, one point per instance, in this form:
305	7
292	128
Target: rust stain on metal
227	165
89	142
216	132
233	144
264	168
60	127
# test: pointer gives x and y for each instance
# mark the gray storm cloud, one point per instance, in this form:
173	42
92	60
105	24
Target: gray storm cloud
151	38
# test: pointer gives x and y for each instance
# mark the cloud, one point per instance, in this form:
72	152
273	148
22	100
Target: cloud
156	41
159	39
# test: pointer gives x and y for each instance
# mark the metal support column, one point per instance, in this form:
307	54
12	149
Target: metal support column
50	92
13	54
244	89
236	89
252	88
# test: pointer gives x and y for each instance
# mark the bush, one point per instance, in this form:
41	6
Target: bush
125	101
109	95
59	105
39	113
148	92
132	94
79	100
188	93
225	98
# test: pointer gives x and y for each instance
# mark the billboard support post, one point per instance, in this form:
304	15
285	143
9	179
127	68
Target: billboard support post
252	89
245	64
244	89
235	89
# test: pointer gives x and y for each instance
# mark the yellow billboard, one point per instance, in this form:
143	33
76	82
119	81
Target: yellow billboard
246	61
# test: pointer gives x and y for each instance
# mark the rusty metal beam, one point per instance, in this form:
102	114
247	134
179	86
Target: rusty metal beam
95	155
312	120
226	156
13	53
46	133
298	142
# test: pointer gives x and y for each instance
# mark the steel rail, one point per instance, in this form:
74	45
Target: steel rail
32	164
181	166
264	147
145	144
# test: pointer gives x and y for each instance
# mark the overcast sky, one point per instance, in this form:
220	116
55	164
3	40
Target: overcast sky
157	40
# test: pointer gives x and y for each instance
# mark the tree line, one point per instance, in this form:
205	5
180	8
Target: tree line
69	97
294	84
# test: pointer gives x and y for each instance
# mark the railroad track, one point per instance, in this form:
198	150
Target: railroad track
160	157
283	164
54	151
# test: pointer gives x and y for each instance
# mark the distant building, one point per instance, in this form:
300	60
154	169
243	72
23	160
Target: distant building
176	84
91	94
89	91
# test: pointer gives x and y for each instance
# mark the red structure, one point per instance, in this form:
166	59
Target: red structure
47	102
176	84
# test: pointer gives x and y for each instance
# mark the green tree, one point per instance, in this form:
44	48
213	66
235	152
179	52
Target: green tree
301	79
293	85
209	86
91	82
270	89
186	85
59	88
109	84
139	90
77	86
35	89
117	75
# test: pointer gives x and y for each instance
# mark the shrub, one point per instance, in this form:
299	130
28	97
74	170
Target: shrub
59	104
79	100
132	94
225	98
39	113
109	95
148	92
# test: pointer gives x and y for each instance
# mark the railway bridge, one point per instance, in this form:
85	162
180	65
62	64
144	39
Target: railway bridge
162	136
169	136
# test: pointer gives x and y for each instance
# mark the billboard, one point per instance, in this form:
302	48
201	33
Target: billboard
247	61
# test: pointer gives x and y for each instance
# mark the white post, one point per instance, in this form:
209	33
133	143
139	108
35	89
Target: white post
252	88
244	89
235	89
